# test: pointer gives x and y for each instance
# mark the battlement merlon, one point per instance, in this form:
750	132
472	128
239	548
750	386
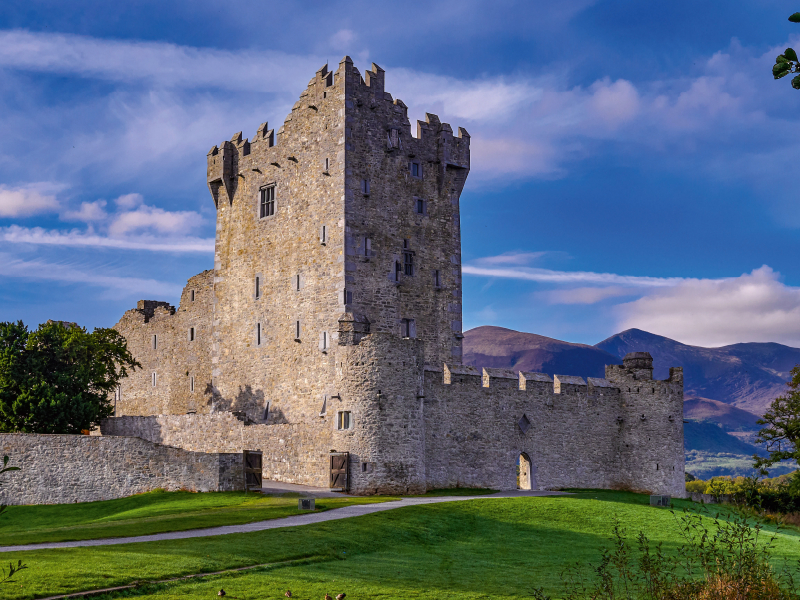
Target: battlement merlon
638	367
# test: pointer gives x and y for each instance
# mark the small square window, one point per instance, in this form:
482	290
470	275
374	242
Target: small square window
267	201
343	420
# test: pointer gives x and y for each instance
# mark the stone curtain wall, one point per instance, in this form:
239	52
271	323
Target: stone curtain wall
57	469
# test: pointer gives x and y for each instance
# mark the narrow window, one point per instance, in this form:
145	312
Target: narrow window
393	139
297	330
296	283
267	205
398	268
415	168
191	334
419	206
323	235
365	187
258	288
408	263
327	164
191	383
258	334
192	295
437	282
344	421
323	341
155	342
347	296
367	246
266	411
154	379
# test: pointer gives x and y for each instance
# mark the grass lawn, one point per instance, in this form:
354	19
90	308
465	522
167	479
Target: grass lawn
483	548
153	512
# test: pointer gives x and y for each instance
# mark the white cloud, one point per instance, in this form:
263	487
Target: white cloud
28	200
567	277
754	307
129	200
150	218
80	239
511	258
11	266
88	212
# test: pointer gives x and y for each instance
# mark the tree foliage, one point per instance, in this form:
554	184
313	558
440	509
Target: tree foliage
787	62
58	378
782	432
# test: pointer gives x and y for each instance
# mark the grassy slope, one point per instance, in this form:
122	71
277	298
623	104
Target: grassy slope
478	548
154	512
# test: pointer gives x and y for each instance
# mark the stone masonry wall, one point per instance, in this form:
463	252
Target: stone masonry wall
57	469
182	366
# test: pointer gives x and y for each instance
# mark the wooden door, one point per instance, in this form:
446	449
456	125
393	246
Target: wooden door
339	471
252	470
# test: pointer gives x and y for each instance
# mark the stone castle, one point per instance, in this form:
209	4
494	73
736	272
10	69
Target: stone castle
330	326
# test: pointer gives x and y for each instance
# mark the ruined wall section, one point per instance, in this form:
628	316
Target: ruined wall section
181	365
300	274
399	187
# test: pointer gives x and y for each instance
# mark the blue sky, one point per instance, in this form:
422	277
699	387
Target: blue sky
631	166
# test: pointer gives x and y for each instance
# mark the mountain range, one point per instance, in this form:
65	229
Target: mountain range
745	376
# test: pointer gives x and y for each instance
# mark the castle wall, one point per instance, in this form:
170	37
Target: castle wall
175	360
58	469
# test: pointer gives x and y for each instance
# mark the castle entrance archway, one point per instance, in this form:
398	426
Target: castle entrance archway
524	466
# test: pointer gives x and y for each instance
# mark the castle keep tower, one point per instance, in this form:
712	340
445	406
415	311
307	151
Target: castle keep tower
331	322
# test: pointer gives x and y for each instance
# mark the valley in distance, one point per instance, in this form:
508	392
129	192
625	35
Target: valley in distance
727	389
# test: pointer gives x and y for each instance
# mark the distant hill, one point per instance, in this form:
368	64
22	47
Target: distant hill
707	437
747	376
498	347
726	416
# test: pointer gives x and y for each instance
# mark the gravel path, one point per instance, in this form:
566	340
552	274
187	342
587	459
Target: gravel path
304	519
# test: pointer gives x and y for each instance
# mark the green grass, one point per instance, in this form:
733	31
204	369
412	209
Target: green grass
153	512
482	548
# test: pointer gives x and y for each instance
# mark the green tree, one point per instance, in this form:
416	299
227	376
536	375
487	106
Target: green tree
58	378
782	432
787	62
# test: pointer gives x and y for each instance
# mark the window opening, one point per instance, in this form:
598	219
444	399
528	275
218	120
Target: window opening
323	235
344	421
327	164
266	411
154	379
155	341
267	201
436	279
367	246
297	330
258	288
398	268
297	283
192	295
408	263
365	187
191	383
258	334
347	296
415	168
407	328
191	334
323	341
420	206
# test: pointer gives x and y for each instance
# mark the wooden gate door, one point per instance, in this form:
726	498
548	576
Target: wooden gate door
252	470
340	472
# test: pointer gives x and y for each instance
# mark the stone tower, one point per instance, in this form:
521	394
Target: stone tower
341	223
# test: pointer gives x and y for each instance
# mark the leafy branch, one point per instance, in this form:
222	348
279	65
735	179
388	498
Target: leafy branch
787	62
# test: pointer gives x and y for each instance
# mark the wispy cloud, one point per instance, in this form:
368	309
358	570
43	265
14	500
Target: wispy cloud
586	295
11	266
569	277
80	239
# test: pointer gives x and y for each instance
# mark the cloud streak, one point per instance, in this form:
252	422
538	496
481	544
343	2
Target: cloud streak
28	200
